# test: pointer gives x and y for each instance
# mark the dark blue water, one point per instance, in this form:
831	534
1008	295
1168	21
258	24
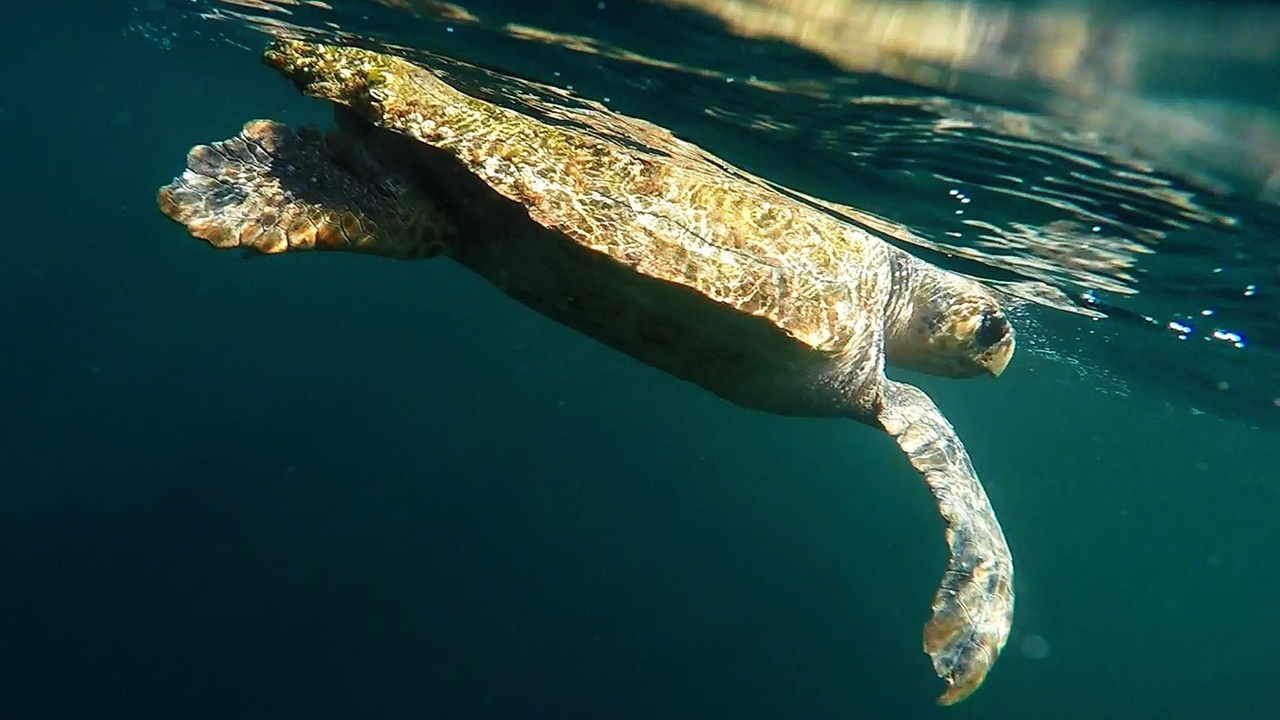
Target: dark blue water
338	487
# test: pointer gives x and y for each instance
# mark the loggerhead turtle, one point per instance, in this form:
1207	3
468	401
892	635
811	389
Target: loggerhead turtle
612	226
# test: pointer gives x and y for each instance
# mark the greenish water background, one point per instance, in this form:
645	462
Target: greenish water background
336	487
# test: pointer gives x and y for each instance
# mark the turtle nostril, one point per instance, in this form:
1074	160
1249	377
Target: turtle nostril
991	330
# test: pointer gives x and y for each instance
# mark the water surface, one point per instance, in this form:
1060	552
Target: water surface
342	487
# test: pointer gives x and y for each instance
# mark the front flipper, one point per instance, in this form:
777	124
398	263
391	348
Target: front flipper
973	610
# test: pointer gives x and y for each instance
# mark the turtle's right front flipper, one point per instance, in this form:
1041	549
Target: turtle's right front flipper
271	190
973	609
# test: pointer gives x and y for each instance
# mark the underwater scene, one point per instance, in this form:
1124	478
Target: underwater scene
640	359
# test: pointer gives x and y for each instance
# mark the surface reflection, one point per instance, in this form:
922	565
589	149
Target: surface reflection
1148	76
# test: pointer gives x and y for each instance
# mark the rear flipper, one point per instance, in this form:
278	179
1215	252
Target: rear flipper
271	190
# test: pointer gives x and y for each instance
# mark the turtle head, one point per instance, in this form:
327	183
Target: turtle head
945	324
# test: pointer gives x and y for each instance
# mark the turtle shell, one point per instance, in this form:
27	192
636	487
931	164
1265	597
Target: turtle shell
627	189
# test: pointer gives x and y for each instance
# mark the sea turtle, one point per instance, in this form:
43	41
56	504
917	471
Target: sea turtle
613	226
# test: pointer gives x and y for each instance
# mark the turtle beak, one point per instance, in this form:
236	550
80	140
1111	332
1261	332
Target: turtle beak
998	356
991	332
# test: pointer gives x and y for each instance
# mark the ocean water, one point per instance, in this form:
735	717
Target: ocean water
326	486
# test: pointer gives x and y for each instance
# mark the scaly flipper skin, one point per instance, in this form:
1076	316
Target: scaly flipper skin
269	189
612	226
973	610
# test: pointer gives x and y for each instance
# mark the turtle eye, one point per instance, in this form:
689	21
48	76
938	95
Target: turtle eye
991	330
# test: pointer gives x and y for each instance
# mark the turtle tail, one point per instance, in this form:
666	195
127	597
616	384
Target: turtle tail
270	190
